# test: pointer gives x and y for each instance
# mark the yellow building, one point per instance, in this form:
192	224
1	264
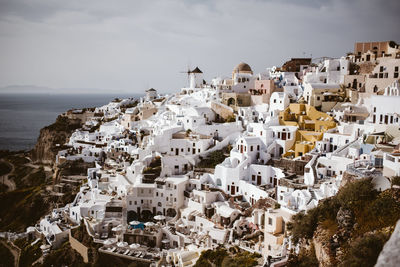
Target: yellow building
311	125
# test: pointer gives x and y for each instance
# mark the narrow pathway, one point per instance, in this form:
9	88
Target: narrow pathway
14	251
4	178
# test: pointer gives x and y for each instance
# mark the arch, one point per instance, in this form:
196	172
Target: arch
147	215
171	212
231	101
219	183
132	216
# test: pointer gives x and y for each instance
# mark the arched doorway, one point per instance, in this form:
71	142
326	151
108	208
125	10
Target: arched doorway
147	215
132	216
171	212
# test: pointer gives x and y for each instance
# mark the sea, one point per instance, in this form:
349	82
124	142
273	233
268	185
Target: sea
23	115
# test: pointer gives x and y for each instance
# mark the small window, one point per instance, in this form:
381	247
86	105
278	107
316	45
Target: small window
269	220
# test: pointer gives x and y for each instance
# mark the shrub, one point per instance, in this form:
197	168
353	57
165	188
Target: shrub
365	250
7	258
211	258
306	258
355	194
304	225
395	180
213	159
4	168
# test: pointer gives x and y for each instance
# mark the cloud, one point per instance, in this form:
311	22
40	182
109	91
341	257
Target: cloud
132	45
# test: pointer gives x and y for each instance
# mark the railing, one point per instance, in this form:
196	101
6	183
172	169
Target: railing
362	168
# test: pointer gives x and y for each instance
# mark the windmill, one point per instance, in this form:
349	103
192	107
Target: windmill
187	73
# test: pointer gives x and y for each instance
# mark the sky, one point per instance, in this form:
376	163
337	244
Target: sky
130	46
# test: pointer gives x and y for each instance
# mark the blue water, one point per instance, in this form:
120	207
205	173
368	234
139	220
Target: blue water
22	116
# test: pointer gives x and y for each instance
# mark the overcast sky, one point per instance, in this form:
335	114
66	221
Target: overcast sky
134	45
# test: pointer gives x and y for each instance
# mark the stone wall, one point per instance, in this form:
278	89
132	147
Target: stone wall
79	247
222	110
292	166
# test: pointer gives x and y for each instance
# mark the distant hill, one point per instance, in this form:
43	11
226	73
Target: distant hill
33	89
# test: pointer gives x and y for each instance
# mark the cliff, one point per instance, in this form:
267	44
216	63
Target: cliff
52	139
348	229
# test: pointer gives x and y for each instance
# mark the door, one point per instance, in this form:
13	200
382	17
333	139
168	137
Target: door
176	151
241	148
258	179
232	190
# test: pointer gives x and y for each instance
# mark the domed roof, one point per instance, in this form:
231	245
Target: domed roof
242	67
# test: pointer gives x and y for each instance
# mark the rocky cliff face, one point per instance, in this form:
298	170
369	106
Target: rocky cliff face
52	139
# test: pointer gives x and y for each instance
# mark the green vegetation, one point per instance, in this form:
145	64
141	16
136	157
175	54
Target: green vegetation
64	256
220	257
4	168
75	167
29	254
21	208
80	234
231	119
63	124
130	105
7	258
371	212
214	158
305	258
154	167
395	180
25	176
365	250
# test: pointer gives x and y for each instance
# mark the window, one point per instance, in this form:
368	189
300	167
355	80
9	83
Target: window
130	202
253	177
269	220
251	148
